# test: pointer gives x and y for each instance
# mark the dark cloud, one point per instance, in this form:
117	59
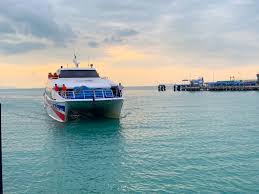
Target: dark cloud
113	40
33	20
93	44
126	32
6	28
48	29
118	36
23	47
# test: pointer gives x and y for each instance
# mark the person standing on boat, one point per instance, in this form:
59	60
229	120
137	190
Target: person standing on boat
120	87
55	76
64	90
56	88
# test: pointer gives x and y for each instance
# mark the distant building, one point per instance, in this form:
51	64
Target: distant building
197	82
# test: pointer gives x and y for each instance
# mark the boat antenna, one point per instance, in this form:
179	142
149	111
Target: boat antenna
76	62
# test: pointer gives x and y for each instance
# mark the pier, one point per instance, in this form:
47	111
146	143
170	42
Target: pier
231	85
217	88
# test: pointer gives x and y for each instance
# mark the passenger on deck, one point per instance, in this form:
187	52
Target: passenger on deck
55	76
64	90
120	87
56	88
50	75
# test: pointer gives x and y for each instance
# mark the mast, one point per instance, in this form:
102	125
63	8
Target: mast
76	62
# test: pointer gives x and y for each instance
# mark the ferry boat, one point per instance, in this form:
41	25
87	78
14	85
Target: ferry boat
86	93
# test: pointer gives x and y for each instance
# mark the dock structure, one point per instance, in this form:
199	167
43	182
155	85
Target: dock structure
231	85
185	87
192	85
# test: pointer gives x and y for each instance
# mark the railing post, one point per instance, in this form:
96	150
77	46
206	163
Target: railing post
84	94
94	95
1	170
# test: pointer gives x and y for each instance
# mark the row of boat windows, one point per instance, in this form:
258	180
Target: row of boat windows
78	73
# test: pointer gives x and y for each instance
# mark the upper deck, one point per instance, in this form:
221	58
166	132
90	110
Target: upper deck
74	73
73	77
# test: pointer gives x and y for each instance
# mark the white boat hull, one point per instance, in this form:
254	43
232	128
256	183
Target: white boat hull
64	110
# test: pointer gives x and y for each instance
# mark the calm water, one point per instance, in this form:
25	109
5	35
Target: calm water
164	142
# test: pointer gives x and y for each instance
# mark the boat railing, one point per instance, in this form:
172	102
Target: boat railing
87	94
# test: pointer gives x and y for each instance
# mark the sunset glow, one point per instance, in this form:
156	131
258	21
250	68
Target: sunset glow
168	43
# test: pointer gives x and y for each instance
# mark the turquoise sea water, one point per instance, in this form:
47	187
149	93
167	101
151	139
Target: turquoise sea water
165	142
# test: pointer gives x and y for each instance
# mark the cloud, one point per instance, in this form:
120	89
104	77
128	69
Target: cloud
17	48
113	40
119	36
126	32
210	31
201	31
93	44
33	20
6	28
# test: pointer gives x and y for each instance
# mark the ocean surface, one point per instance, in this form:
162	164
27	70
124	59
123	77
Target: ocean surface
165	142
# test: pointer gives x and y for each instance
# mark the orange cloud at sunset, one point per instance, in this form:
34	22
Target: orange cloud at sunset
127	65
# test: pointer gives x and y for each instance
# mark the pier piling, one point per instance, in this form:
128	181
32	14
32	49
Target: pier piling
161	87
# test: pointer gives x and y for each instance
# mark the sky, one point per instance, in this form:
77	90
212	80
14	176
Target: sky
135	42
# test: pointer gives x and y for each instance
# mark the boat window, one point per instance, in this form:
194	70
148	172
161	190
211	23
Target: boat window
78	73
